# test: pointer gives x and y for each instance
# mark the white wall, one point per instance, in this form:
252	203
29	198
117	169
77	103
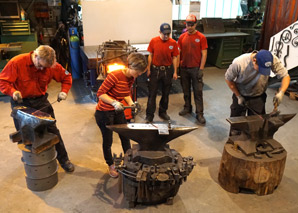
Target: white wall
134	20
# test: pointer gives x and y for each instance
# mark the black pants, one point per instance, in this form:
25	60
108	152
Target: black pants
194	77
257	104
45	106
104	118
163	77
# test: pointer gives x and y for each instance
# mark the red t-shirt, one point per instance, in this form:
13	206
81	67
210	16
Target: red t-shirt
190	46
163	51
117	86
21	74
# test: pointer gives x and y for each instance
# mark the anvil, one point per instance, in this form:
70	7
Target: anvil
33	128
257	132
148	135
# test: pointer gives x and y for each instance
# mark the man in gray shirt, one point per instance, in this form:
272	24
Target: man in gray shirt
248	76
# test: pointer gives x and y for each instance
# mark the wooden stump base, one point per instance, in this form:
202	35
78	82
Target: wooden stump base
239	171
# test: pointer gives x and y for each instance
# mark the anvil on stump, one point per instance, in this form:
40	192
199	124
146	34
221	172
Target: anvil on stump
37	145
253	160
151	172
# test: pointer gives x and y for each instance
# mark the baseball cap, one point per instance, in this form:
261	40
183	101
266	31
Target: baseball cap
165	28
191	18
265	61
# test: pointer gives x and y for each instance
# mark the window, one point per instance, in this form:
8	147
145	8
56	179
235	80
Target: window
208	9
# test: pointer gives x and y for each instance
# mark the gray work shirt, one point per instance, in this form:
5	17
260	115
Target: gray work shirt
248	80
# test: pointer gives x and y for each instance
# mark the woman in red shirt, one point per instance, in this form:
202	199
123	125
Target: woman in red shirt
109	110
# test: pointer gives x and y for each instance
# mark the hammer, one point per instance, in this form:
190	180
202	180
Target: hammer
136	108
275	110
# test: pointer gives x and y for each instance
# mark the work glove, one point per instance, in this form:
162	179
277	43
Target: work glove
117	105
17	96
241	100
61	96
278	97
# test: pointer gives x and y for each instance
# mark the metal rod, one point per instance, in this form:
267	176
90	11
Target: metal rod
39	110
127	175
246	105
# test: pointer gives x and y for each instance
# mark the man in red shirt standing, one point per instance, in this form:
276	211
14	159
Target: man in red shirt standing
193	54
162	67
26	77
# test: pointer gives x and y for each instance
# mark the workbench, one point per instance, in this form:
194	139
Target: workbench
224	47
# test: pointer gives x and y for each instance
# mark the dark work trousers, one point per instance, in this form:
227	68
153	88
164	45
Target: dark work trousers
42	103
257	104
104	118
194	77
159	76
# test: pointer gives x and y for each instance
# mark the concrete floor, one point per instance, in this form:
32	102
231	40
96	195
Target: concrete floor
90	189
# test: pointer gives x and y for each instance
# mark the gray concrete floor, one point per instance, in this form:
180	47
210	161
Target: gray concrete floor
90	189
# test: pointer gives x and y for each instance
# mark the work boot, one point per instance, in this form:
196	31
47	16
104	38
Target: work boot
201	118
149	119
67	166
184	111
113	172
165	116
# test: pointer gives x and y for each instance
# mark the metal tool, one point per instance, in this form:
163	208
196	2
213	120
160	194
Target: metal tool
39	110
136	108
162	129
275	111
254	112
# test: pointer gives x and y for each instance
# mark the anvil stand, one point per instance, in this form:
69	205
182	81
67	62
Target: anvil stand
37	145
253	160
151	172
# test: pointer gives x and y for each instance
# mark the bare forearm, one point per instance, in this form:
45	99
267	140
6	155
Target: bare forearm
105	98
203	59
285	83
128	100
175	64
233	87
149	64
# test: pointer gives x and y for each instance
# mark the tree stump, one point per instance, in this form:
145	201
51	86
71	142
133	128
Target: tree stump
239	171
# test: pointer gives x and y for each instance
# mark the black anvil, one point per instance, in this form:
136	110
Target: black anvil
33	128
257	132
